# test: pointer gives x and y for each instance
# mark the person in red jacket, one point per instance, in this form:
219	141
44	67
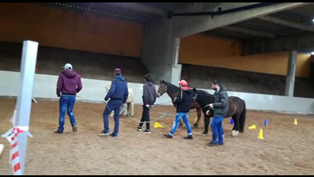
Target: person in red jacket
68	85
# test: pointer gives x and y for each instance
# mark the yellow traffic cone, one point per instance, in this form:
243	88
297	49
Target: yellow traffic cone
252	127
157	125
260	134
295	121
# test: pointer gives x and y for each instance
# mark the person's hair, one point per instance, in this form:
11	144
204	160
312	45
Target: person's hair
217	82
148	78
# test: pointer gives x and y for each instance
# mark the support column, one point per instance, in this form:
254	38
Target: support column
160	56
290	79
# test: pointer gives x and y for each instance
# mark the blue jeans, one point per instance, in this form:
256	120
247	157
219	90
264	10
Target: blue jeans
217	129
66	103
112	105
176	122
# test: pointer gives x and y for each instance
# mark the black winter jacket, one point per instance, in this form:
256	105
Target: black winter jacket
184	100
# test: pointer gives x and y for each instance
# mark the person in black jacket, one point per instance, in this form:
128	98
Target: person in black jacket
183	103
149	98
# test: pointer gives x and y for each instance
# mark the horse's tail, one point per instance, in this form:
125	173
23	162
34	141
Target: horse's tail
242	118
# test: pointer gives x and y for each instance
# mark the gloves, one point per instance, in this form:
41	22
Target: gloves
58	94
147	105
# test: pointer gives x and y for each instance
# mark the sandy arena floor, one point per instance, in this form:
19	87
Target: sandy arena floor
287	148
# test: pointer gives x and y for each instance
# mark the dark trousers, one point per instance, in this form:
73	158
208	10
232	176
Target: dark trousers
145	117
66	104
112	105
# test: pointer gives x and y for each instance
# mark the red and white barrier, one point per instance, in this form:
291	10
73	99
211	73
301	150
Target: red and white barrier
14	153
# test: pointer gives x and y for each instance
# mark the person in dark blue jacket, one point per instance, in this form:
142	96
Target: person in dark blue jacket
118	94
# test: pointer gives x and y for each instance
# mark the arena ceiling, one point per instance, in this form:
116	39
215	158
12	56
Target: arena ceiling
289	22
139	12
293	21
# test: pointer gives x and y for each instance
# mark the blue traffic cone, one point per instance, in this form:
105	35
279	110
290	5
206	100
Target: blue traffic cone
266	122
231	122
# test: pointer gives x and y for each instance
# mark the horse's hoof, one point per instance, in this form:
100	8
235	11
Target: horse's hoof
234	133
180	125
132	115
204	134
195	125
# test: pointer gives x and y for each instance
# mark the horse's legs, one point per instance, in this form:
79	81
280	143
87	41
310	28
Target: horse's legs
199	114
111	114
125	111
181	123
132	108
206	123
235	129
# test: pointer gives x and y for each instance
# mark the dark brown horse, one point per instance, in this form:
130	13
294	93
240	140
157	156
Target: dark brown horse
172	91
237	110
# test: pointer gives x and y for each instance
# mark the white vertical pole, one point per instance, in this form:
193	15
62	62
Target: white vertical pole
24	103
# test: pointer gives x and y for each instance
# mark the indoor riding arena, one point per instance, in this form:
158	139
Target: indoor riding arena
274	81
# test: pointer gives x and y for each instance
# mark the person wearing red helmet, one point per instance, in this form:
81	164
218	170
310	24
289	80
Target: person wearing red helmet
183	103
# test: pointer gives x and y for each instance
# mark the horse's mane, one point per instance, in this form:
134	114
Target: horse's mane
203	97
172	88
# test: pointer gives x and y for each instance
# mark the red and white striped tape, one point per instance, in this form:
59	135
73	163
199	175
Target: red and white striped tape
14	153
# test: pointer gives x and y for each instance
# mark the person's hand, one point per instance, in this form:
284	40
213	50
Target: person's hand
207	112
147	105
211	105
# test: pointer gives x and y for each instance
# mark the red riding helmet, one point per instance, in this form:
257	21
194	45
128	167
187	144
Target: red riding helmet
183	83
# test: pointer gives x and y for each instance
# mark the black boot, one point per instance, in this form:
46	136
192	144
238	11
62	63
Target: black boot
58	131
189	137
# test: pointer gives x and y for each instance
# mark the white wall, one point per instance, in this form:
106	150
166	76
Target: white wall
94	90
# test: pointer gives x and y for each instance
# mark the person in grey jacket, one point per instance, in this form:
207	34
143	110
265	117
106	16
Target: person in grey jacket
149	98
220	109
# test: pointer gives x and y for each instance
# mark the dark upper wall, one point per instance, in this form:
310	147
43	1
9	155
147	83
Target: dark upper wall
242	81
87	64
100	66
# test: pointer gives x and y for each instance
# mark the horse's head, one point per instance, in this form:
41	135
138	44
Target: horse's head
202	97
162	88
165	86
